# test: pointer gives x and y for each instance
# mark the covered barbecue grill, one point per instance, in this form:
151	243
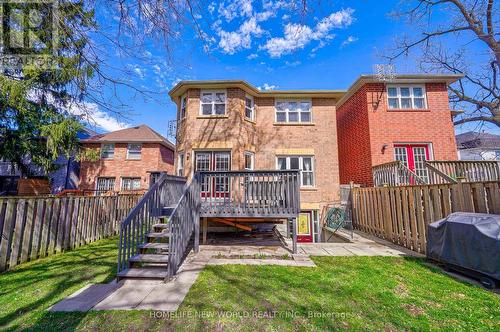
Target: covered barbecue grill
468	241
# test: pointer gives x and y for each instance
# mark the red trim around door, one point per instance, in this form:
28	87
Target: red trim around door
304	225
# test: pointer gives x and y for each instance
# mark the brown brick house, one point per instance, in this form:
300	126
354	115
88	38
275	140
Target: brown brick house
332	136
129	160
408	119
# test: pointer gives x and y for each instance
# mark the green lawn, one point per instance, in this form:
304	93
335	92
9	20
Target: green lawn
357	293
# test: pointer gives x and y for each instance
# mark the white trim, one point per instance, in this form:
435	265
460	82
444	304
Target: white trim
100	152
183	104
301	166
252	118
213	92
411	96
252	160
128	151
180	158
287	111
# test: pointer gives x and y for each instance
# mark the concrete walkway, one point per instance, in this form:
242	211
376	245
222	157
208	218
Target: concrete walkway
157	295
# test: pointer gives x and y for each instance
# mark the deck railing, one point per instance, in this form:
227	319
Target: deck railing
468	171
184	220
394	173
250	194
436	172
165	192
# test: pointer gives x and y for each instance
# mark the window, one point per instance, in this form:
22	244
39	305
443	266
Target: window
153	178
213	103
497	155
249	108
131	183
104	185
303	163
182	113
107	151
249	160
180	164
293	111
134	151
406	97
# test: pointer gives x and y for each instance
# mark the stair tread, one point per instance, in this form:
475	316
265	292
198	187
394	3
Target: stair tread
161	225
143	273
158	234
149	258
164	246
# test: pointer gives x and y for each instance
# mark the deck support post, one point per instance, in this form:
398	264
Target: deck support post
294	235
196	233
288	235
204	229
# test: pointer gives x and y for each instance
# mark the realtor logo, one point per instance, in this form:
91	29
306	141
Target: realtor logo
28	30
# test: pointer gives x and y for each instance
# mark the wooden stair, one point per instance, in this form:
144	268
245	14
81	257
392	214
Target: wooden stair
152	259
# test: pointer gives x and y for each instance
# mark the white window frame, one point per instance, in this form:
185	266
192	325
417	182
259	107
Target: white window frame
131	178
411	96
301	166
108	178
103	145
287	110
180	164
183	108
252	160
213	103
250	109
129	149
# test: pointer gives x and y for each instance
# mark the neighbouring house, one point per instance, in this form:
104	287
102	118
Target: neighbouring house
331	136
407	120
65	175
130	159
478	146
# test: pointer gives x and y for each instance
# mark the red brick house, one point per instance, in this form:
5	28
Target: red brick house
408	119
129	160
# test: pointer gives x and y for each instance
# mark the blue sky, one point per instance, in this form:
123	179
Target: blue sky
265	43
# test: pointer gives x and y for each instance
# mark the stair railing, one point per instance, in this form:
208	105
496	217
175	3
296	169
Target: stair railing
133	229
395	173
184	220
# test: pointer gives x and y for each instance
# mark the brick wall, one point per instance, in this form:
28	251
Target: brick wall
365	125
354	139
154	158
265	138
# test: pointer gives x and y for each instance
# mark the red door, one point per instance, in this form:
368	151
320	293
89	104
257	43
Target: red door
413	156
216	186
304	227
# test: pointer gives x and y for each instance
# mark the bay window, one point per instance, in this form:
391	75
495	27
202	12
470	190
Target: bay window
213	103
406	97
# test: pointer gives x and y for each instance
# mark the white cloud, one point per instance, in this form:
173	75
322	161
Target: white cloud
292	63
90	113
233	9
231	42
157	69
349	40
267	87
252	56
297	36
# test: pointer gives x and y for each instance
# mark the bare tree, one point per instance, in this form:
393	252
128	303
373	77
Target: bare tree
472	24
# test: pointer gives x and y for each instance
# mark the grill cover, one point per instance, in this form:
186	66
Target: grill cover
468	240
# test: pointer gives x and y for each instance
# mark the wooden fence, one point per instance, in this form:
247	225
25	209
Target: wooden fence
32	228
401	214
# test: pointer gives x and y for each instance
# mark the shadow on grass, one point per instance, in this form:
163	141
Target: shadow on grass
30	289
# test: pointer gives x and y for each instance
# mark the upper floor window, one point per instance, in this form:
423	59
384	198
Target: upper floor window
303	163
180	164
182	113
249	107
406	97
107	151
249	160
213	103
134	151
293	111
